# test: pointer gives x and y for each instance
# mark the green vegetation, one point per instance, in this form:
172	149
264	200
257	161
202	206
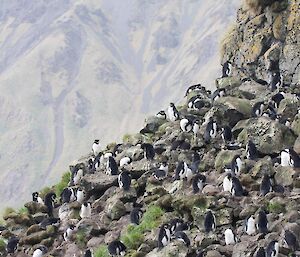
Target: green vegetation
23	210
102	251
126	138
65	179
2	246
276	207
81	239
135	234
45	191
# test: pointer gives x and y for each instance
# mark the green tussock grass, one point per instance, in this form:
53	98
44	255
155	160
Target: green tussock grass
2	246
23	210
135	234
102	251
81	238
276	207
65	179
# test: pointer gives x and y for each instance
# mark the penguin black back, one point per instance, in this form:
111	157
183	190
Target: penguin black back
124	180
209	222
148	150
116	248
262	222
49	202
12	244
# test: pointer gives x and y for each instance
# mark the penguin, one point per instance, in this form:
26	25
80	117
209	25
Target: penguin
262	222
49	202
94	163
230	237
227	183
85	211
226	134
112	167
68	195
125	161
12	244
192	100
40	251
198	104
173	113
69	232
188	173
116	248
183	226
209	222
199	253
124	180
96	147
186	125
36	198
198	183
192	88
49	221
220	92
210	131
226	69
161	115
179	172
180	144
270	113
257	109
195	164
290	158
88	253
291	240
76	175
136	215
266	185
174	224
149	152
272	249
251	151
237	189
196	126
160	174
250	226
80	195
164	235
260	252
276	80
181	236
277	98
236	165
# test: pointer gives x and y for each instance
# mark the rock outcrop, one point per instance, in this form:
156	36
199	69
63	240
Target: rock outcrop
198	164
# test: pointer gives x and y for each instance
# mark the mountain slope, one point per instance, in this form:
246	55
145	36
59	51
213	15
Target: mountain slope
73	71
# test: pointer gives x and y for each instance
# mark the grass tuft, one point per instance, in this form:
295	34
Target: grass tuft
102	251
135	234
81	238
2	246
276	207
65	179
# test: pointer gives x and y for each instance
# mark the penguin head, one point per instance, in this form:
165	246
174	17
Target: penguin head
35	195
97	141
172	105
72	227
43	248
86	204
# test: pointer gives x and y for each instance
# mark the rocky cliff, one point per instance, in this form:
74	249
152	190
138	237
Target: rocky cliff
202	186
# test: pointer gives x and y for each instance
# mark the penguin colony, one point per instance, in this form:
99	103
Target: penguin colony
196	135
180	163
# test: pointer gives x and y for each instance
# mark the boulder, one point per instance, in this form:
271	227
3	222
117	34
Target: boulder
34	207
115	208
269	136
224	158
284	175
98	183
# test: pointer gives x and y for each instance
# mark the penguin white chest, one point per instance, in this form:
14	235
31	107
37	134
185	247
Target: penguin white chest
285	159
251	228
37	253
229	237
227	184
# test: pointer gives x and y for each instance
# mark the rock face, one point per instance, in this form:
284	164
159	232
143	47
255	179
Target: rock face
213	180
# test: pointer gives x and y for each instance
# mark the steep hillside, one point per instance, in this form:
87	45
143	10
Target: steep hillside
72	71
230	188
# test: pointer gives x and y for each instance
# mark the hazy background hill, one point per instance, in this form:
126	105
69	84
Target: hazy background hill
73	71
